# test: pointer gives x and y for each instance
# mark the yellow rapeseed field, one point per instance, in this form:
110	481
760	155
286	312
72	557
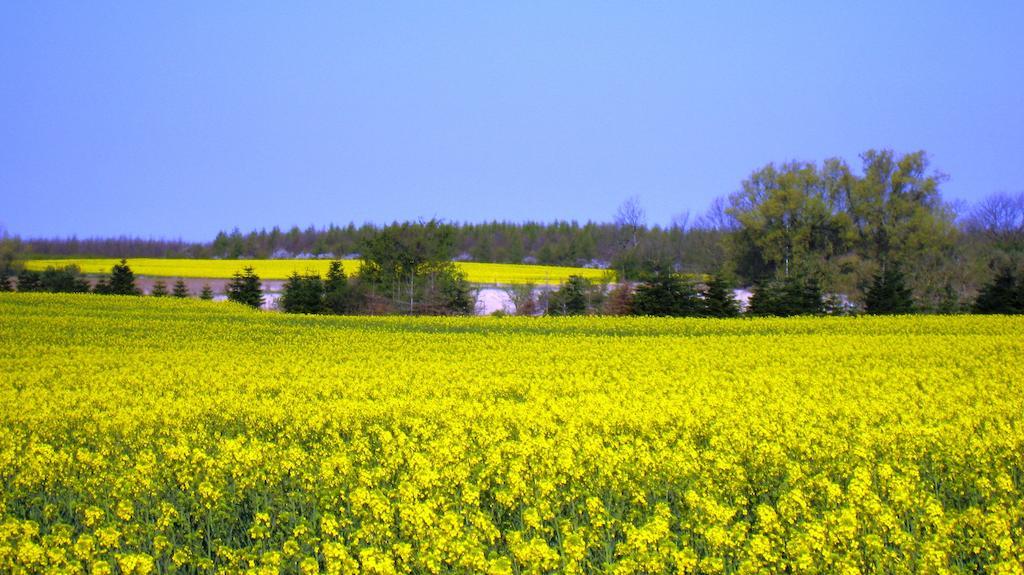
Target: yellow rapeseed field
149	435
482	273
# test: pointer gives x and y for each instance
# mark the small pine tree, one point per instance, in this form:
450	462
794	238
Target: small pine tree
1001	295
950	302
207	293
810	300
302	294
245	288
159	289
102	287
571	298
667	294
180	289
456	295
719	300
5	284
29	280
765	299
340	295
888	294
62	280
122	280
789	297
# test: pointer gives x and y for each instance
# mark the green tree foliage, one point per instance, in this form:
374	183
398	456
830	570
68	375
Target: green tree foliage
337	294
719	300
895	208
888	294
5	284
1003	295
452	294
577	296
833	224
54	280
789	296
303	294
206	293
10	250
408	268
180	289
159	289
102	287
245	288
690	248
122	280
898	217
63	280
29	280
667	294
340	296
789	217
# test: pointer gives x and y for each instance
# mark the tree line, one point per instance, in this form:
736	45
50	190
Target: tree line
405	269
827	227
665	294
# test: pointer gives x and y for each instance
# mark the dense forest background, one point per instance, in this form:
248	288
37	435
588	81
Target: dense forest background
827	221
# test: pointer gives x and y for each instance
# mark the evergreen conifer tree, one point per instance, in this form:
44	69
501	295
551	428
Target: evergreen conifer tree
810	300
302	294
180	289
62	280
207	293
29	280
667	294
455	294
766	299
888	294
102	287
571	298
791	296
337	295
245	288
159	289
1001	295
950	302
5	284
122	280
719	300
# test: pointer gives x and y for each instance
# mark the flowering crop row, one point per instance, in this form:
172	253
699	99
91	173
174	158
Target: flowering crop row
476	272
143	435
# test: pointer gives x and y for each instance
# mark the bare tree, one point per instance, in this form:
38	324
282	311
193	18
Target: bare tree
717	217
681	221
631	218
524	299
999	216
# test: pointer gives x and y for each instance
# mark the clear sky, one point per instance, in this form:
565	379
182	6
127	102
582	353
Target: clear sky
178	119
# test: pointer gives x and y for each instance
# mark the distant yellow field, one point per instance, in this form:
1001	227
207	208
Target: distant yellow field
482	273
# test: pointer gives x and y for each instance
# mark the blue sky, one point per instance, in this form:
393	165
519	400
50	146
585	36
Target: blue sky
178	119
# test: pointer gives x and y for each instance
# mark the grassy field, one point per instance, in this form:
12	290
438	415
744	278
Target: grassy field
481	273
145	435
